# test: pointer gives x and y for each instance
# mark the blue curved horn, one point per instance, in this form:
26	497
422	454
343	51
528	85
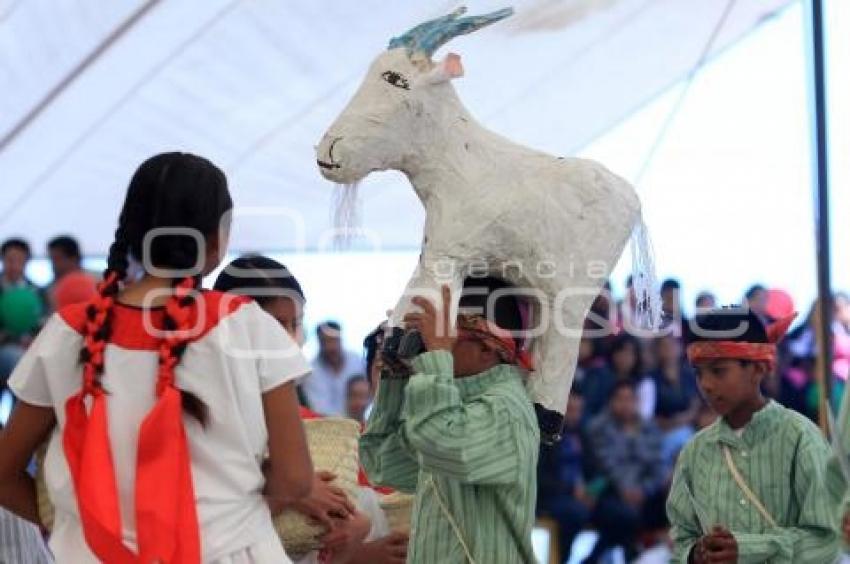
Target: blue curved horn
429	36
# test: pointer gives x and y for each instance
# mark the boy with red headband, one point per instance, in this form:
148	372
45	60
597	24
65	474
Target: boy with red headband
760	484
461	432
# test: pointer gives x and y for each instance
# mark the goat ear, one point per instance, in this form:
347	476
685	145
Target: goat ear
450	67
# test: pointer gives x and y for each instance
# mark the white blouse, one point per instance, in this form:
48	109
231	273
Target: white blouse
240	353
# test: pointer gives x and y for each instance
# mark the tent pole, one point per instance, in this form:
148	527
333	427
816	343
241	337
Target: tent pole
824	317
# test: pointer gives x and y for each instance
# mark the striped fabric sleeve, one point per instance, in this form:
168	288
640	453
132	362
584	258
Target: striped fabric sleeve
20	541
384	454
472	442
814	538
685	529
843	427
768	547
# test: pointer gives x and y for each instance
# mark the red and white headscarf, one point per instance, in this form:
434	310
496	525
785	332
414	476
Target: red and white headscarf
736	350
494	337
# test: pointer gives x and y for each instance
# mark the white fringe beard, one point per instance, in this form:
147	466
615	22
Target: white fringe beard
346	215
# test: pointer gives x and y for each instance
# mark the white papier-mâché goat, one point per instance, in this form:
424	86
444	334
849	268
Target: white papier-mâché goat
554	227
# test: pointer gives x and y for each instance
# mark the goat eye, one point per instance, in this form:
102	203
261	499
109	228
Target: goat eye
396	79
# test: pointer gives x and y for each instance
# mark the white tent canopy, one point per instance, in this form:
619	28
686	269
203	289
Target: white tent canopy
90	89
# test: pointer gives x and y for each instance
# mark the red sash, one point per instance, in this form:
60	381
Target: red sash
166	520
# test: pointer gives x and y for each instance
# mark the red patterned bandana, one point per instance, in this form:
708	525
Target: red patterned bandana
495	338
734	350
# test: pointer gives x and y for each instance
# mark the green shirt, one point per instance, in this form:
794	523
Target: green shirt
468	448
787	464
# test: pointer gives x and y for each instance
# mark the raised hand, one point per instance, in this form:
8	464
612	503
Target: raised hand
436	328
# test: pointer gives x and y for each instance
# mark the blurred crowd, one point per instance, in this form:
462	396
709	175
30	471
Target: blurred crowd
24	306
633	405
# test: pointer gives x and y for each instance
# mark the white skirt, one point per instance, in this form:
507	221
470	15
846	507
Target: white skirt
267	551
72	549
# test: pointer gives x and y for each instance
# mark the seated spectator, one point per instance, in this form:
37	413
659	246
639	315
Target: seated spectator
66	258
705	300
326	386
677	396
600	322
756	299
626	452
15	256
673	321
797	386
625	363
358	396
840	343
561	492
588	359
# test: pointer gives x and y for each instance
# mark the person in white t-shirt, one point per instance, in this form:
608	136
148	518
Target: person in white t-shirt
356	535
159	399
327	386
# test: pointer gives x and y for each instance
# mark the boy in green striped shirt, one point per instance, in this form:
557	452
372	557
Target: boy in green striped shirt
761	484
462	434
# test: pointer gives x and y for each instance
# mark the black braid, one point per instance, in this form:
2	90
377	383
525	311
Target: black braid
170	190
117	264
191	403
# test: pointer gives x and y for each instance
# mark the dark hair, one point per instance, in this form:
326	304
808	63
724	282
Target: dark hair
372	346
355	380
504	312
705	295
620	384
67	245
731	323
15	243
753	290
619	343
670	284
170	190
260	278
328	326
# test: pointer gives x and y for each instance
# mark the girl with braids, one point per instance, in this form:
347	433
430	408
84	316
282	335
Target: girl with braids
160	399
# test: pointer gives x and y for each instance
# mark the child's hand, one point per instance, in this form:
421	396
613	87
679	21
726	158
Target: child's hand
436	328
845	527
346	538
391	549
719	547
325	501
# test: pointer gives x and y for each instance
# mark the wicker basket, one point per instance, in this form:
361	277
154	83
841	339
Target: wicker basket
333	447
398	508
46	511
